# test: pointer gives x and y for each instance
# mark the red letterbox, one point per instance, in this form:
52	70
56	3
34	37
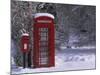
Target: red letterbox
44	46
25	42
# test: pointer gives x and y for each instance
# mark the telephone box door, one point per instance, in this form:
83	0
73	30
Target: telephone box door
43	47
44	54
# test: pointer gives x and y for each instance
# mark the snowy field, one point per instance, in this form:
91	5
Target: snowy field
65	60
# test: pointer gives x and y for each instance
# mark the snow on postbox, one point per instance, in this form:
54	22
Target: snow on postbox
43	54
25	42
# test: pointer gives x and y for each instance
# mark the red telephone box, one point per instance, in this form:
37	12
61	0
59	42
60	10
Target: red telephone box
44	45
25	43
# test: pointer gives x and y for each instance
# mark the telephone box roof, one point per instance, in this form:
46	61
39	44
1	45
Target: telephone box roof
43	14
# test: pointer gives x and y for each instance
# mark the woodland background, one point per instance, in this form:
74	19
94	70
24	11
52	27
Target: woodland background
75	25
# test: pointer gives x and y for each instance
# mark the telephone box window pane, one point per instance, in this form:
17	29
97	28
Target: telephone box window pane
43	29
43	61
43	34
43	44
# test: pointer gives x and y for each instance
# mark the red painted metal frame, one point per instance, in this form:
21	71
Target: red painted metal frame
51	41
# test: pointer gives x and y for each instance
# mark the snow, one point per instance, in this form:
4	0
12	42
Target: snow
84	47
12	61
25	34
43	14
66	60
63	47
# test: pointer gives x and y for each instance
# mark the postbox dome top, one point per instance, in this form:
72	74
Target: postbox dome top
43	14
25	34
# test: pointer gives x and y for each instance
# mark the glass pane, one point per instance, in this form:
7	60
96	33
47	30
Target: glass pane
44	38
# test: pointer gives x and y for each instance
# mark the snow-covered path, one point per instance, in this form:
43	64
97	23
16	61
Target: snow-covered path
71	59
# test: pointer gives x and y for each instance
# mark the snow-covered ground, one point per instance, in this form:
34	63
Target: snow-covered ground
65	60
